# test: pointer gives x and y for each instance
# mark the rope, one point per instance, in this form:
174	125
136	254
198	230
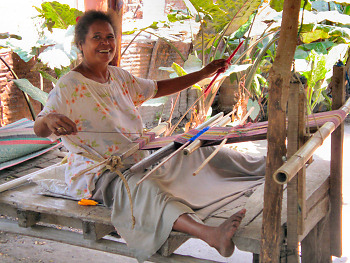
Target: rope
113	163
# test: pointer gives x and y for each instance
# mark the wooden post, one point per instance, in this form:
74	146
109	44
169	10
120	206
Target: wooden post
276	134
116	8
296	187
338	99
315	246
302	172
27	218
94	231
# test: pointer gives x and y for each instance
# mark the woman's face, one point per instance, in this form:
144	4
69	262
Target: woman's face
100	43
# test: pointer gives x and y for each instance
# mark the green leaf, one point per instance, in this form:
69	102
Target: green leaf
192	64
181	72
300	54
58	15
319	47
48	76
244	28
226	13
277	5
178	69
256	110
32	91
177	15
169	69
61	71
313	36
347	10
315	77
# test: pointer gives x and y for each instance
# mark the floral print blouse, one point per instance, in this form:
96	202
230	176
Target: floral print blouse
107	119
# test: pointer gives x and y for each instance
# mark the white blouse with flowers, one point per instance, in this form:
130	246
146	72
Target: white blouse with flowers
106	116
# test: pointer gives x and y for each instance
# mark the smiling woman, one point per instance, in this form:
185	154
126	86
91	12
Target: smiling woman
97	43
96	96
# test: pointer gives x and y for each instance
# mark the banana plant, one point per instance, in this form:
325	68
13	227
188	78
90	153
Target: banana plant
219	19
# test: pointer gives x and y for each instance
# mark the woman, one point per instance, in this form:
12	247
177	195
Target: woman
93	109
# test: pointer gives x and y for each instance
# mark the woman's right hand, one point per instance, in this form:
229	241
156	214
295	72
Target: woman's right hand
55	123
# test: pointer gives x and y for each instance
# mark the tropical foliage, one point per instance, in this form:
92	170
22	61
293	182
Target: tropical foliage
323	40
53	44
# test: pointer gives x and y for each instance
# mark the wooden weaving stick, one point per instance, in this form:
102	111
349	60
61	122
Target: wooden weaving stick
211	156
168	149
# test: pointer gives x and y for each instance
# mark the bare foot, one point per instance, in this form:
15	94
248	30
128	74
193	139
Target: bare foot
221	237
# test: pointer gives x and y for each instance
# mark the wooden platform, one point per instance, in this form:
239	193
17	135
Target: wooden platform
28	213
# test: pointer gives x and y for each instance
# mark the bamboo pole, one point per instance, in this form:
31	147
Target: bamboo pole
289	169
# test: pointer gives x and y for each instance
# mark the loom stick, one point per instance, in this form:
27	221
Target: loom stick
163	162
174	153
211	156
168	149
198	143
21	180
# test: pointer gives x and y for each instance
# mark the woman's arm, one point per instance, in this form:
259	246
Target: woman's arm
170	86
56	123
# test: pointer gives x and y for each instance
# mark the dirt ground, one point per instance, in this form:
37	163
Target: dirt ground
17	248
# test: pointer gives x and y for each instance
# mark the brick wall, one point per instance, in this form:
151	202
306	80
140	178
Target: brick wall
13	103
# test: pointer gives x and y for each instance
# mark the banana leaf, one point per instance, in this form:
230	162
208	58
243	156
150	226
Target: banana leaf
32	91
226	13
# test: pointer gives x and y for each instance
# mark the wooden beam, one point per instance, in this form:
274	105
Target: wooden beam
337	140
302	172
294	127
278	93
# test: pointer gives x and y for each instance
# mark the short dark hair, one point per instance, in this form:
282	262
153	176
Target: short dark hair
86	20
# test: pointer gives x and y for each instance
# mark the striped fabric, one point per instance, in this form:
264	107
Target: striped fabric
19	143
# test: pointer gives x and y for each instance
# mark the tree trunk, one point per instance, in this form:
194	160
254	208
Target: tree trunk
276	135
116	8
